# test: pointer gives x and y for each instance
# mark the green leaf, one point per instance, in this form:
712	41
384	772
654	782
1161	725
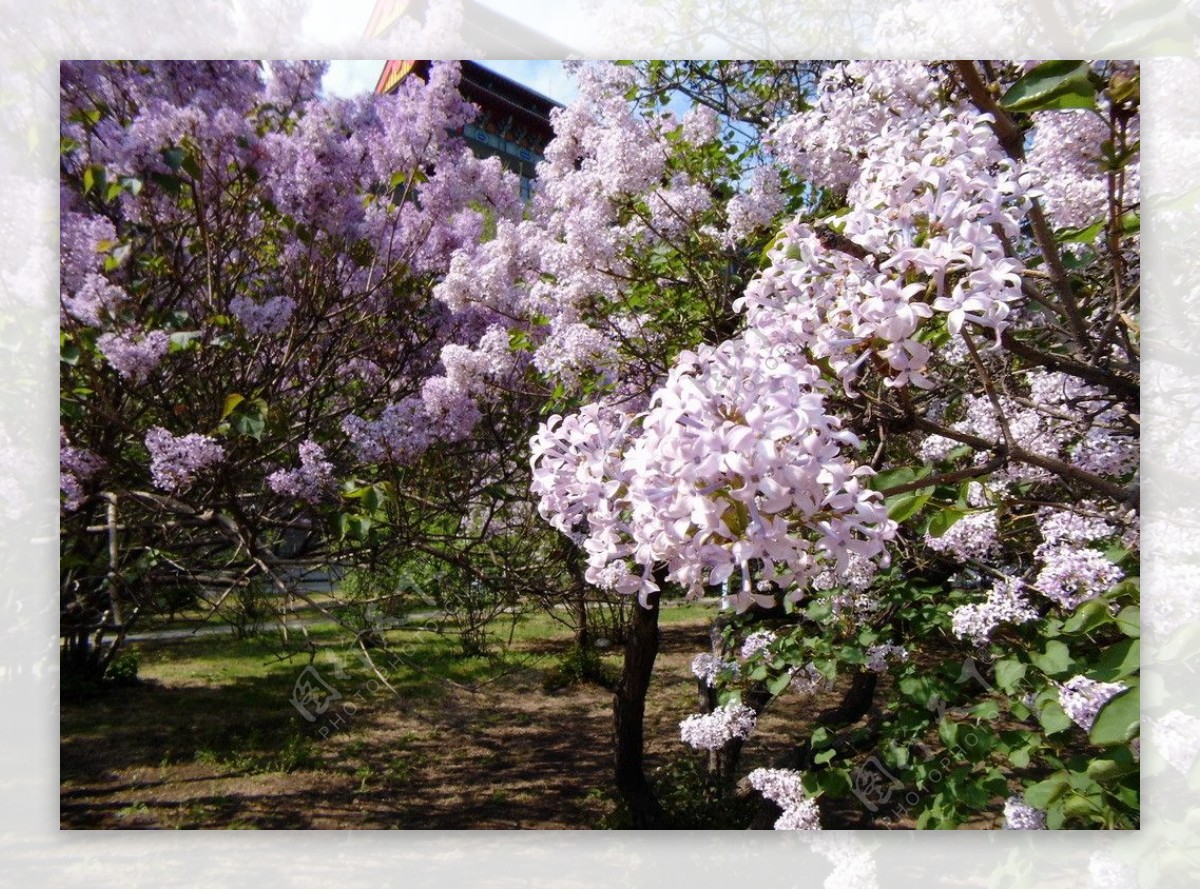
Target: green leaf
1052	85
95	177
173	157
1107	770
903	506
1056	659
1120	660
1130	621
1149	28
1119	720
1087	617
942	521
777	684
825	756
1053	718
231	402
985	710
183	340
1009	673
1083	235
1046	792
898	476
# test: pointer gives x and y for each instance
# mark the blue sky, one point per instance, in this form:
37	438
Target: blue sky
347	77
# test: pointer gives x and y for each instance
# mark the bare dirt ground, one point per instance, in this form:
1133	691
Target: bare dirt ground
201	752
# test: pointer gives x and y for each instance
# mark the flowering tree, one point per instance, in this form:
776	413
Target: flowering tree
919	436
254	379
856	344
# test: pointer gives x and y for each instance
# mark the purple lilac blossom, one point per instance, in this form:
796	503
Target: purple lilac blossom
134	357
756	642
311	481
1019	816
1082	699
1005	604
175	461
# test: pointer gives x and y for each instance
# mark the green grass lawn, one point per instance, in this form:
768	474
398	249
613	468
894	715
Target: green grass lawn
209	737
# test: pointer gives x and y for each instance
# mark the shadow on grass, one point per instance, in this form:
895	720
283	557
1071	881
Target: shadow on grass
212	740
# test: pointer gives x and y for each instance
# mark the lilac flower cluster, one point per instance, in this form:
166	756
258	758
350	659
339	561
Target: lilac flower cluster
95	299
878	656
578	476
134	356
757	642
712	731
932	195
736	461
807	680
1065	162
262	319
1070	575
756	207
784	789
311	481
708	667
974	536
854	103
1072	527
1082	699
1005	604
175	461
76	466
1020	816
80	249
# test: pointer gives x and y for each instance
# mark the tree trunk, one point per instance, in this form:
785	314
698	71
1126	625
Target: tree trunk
629	710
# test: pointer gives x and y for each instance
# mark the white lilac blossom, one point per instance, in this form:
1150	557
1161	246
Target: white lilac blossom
932	197
175	461
1082	698
1020	816
854	101
1065	164
708	667
736	461
134	357
804	816
974	536
1071	526
712	731
310	481
1071	575
756	207
1005	604
878	656
259	319
783	788
700	125
756	642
